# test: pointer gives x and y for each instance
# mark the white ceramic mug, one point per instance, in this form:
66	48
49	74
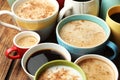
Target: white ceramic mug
79	7
103	67
42	46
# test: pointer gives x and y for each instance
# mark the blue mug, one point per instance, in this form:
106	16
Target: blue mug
79	51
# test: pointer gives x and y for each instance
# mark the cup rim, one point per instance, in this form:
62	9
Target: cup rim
59	62
108	11
83	1
99	57
31	20
87	15
26	33
30	51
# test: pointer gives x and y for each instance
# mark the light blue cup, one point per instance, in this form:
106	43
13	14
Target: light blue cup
78	51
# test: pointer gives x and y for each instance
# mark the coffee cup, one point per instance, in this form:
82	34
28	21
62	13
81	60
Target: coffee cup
46	52
113	20
83	34
79	7
35	15
60	70
105	5
22	42
97	67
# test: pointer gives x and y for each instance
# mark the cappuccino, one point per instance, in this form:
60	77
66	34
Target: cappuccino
35	9
82	33
26	41
60	73
96	69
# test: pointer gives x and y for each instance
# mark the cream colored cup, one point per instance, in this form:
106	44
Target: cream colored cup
115	26
42	26
100	63
79	7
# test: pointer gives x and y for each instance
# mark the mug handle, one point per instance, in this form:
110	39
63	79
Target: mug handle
67	6
10	50
114	48
7	24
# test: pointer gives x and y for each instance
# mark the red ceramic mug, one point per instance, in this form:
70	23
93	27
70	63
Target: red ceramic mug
22	42
61	3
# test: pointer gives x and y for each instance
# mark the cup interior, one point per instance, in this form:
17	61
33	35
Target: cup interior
59	63
19	2
82	17
26	34
107	62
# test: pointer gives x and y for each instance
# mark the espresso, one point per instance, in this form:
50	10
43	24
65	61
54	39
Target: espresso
27	41
96	69
35	9
115	17
60	73
82	33
38	58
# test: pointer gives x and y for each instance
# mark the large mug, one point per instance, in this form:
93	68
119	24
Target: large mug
79	36
79	7
42	20
113	20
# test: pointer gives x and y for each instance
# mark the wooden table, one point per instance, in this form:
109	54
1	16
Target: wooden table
11	69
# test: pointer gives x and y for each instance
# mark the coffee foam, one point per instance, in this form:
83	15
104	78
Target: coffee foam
82	33
96	69
60	72
26	41
35	9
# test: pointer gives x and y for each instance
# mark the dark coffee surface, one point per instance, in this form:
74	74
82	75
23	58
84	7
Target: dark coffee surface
115	17
39	58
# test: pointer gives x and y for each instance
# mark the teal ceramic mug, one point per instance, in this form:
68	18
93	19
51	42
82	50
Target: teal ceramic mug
76	34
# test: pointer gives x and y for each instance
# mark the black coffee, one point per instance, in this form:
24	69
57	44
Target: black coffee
115	17
39	58
81	0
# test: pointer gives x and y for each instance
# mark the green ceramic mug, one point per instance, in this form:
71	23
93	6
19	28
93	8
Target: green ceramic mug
60	69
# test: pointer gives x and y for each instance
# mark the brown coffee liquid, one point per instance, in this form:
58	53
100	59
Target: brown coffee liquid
115	17
39	58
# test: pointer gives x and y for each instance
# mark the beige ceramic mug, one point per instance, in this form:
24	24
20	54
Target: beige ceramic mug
35	15
113	20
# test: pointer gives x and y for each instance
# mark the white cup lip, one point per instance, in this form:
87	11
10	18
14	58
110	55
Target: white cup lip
30	51
100	57
17	1
26	33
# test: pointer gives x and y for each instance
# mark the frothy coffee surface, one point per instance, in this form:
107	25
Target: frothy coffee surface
35	9
60	73
97	70
82	33
27	41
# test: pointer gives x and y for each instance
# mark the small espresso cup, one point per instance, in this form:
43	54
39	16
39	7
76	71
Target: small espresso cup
79	7
35	15
97	67
82	34
22	42
41	54
113	20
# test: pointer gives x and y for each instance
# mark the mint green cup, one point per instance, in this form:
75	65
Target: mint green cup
59	63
